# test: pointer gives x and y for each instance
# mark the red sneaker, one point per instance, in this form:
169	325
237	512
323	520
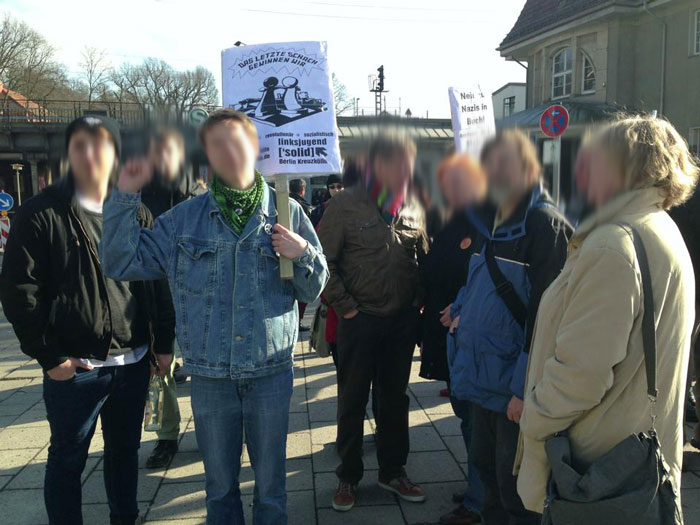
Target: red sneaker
404	488
445	392
344	497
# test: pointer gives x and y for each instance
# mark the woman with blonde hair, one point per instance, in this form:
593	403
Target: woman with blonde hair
587	361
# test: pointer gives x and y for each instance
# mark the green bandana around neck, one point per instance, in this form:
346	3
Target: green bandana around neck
237	206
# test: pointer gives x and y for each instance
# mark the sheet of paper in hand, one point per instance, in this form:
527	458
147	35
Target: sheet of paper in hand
472	119
286	89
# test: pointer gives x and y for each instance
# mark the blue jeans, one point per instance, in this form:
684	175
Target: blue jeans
117	395
474	495
225	408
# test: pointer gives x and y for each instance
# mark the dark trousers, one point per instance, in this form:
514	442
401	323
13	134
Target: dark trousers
117	395
494	445
333	349
694	372
474	495
376	350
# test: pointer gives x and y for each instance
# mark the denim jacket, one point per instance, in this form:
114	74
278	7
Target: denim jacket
235	316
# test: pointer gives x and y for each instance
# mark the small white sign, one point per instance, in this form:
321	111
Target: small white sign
473	122
286	89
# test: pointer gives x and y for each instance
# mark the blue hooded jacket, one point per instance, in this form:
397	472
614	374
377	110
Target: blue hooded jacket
488	353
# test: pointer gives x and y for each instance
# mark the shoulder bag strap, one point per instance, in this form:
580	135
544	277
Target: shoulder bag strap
504	288
648	325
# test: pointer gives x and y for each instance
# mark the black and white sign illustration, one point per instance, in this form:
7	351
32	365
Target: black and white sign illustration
286	90
281	102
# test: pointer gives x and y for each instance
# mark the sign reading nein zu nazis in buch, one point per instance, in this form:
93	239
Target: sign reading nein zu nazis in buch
286	90
472	119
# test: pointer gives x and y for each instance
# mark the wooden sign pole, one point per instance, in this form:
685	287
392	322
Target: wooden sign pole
282	189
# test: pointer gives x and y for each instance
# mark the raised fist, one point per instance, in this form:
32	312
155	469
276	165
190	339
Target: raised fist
134	175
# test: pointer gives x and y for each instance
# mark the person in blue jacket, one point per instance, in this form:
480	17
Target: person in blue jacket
237	320
520	248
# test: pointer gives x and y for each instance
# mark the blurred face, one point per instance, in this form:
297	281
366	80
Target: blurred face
507	177
92	157
582	170
230	150
167	157
396	172
604	177
458	188
335	188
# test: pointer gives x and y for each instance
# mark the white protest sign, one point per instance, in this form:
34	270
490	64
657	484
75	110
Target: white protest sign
473	122
286	89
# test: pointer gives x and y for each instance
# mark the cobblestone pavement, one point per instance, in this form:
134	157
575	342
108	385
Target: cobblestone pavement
176	494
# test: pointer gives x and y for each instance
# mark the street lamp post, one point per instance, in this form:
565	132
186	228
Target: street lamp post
18	168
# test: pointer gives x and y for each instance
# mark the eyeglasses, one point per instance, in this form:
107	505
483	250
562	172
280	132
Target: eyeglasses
335	186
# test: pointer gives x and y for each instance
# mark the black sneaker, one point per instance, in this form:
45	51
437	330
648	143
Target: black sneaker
179	376
162	453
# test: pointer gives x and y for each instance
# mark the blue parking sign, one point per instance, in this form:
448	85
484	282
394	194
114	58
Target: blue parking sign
6	201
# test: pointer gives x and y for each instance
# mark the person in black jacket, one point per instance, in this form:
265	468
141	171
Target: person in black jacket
171	184
172	181
443	273
444	268
90	334
334	185
297	191
687	217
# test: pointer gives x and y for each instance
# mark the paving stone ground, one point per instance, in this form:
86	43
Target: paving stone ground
176	494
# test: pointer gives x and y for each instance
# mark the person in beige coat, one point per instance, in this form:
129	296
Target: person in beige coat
586	372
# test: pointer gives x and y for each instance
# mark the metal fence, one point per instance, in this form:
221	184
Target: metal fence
61	112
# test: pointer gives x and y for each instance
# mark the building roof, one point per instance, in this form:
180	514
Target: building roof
418	128
19	99
509	84
539	15
579	113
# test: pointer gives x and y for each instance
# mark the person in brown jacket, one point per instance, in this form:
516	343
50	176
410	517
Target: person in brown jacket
373	235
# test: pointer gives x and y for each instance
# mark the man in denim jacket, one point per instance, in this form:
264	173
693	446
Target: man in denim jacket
237	320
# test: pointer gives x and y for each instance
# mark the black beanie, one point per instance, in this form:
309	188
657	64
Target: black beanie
90	122
333	179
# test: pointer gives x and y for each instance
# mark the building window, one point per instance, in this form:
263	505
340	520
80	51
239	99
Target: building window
508	106
696	26
562	74
588	76
694	141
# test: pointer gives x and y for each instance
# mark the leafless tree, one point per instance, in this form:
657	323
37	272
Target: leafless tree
27	61
341	98
192	88
14	36
95	72
28	65
161	90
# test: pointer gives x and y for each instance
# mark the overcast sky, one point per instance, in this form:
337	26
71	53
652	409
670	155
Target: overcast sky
424	46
